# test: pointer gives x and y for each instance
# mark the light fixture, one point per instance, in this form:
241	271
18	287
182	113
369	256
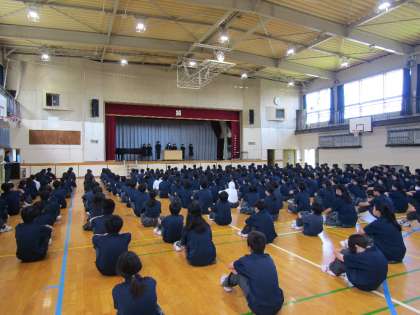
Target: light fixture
244	76
192	63
33	14
223	37
290	51
291	83
123	62
140	26
344	62
220	55
384	5
45	56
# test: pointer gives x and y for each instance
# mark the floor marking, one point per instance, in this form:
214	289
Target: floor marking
59	305
402	304
380	310
388	298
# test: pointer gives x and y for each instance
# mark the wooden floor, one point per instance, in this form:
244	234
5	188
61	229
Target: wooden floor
67	282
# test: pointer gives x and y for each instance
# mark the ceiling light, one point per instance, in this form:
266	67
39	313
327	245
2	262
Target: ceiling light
220	56
140	26
384	5
33	14
223	37
344	63
45	56
290	51
192	63
124	62
291	83
244	76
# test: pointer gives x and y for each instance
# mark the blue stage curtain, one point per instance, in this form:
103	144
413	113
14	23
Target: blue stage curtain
332	107
406	96
134	132
340	103
418	90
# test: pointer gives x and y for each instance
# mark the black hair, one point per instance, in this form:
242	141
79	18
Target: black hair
317	208
260	205
108	206
302	187
345	194
128	266
5	187
28	214
142	187
175	208
114	224
195	221
152	199
223	196
256	241
387	214
357	239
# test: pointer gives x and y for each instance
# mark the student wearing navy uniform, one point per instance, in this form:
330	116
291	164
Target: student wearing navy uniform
12	198
365	266
273	205
249	200
221	212
256	274
171	226
197	239
399	198
260	221
185	194
164	187
98	223
301	201
140	199
343	213
110	246
152	210
137	294
31	238
311	223
204	197
4	216
326	195
386	233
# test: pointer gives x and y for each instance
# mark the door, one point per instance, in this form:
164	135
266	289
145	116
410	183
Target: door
289	156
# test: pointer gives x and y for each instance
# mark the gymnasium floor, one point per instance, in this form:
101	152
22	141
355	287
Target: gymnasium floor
67	282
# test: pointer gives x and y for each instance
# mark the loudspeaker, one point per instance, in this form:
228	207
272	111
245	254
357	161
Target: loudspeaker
251	116
95	107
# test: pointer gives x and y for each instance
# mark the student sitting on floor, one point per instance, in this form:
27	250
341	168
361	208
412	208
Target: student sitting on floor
343	213
301	201
310	222
249	200
256	274
272	204
31	238
98	223
171	226
232	194
4	216
197	239
139	200
110	246
204	197
136	294
12	198
221	212
386	233
365	266
164	187
94	210
152	210
399	198
260	221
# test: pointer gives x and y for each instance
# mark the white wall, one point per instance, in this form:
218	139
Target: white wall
78	81
373	151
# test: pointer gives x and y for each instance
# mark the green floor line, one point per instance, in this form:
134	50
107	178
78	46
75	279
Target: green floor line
319	295
382	309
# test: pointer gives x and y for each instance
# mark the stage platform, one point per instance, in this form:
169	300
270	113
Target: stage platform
123	167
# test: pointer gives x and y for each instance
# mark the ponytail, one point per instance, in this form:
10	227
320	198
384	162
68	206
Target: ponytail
387	214
128	266
136	286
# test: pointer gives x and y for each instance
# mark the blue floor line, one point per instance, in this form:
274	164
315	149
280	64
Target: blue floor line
388	299
59	305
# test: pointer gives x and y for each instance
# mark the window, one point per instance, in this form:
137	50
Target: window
318	106
374	95
280	113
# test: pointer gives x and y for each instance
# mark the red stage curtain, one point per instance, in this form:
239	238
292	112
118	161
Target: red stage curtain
236	144
110	132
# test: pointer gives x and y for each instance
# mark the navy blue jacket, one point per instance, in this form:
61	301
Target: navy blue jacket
126	304
140	199
263	222
312	224
400	201
172	226
32	241
367	270
223	215
108	248
265	296
164	188
387	238
199	247
302	201
98	223
273	205
152	211
205	199
346	212
12	199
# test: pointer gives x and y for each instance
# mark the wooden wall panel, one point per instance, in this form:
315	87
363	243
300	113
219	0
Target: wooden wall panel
54	137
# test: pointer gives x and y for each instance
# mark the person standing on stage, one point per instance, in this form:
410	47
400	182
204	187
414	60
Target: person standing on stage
174	147
168	146
158	148
149	152
143	151
183	151
190	151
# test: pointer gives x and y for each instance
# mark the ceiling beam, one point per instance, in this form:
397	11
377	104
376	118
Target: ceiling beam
278	12
92	39
110	27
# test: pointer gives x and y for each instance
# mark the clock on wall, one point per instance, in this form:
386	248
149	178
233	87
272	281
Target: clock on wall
277	100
